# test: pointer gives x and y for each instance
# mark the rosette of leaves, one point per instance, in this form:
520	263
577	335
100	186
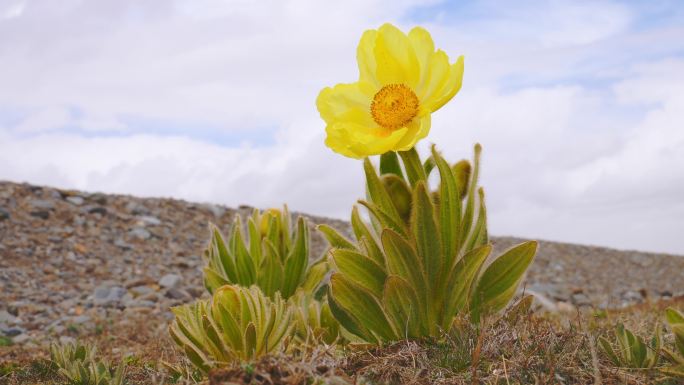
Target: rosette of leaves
314	320
675	320
425	257
630	350
269	253
78	363
236	324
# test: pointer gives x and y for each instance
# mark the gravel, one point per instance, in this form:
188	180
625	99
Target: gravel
83	264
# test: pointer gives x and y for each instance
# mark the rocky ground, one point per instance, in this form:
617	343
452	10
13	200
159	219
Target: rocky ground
76	264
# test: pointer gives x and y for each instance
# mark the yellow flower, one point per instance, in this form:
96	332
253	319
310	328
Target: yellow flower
402	80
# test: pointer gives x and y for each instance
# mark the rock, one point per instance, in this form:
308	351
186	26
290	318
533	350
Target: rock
142	290
170	281
81	319
174	293
105	295
42	214
75	200
122	244
140	233
544	302
13	331
94	209
136	208
7	318
149	220
566	308
217	210
4	214
21	338
66	340
40	204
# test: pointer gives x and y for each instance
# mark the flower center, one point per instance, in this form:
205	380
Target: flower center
394	106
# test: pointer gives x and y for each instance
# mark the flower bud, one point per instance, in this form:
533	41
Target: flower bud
462	171
400	194
266	220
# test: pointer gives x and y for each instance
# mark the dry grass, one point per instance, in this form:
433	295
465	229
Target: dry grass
524	349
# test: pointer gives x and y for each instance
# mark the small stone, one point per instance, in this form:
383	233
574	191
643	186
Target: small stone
137	208
21	338
81	319
120	243
108	295
7	318
75	200
42	204
4	214
66	340
170	281
96	210
42	214
564	307
218	211
140	233
174	293
13	331
149	220
142	290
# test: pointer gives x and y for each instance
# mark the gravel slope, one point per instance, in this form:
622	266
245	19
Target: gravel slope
71	262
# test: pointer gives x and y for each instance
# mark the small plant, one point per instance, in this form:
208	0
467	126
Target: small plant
315	322
425	257
236	324
273	256
675	321
630	350
79	365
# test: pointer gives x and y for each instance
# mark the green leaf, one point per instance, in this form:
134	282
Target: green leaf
360	269
389	164
347	320
378	194
272	272
449	211
401	304
426	233
385	219
467	222
608	350
498	283
314	276
254	242
676	321
461	280
243	261
403	261
414	169
428	166
335	239
218	245
297	260
366	237
359	301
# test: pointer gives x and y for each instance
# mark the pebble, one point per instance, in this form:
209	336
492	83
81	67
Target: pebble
170	281
140	233
7	318
4	214
81	319
149	220
75	200
174	293
42	204
21	338
108	295
42	214
13	331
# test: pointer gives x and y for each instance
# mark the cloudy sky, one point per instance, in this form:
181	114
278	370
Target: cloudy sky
579	105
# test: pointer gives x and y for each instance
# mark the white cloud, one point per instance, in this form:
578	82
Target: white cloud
579	115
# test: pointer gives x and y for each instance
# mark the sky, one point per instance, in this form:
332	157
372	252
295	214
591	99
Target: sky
579	106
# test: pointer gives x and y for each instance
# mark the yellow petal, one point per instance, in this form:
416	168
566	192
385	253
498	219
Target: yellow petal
395	59
450	87
417	130
357	141
366	58
424	47
438	73
346	102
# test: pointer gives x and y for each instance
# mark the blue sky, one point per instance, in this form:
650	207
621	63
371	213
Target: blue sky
578	105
